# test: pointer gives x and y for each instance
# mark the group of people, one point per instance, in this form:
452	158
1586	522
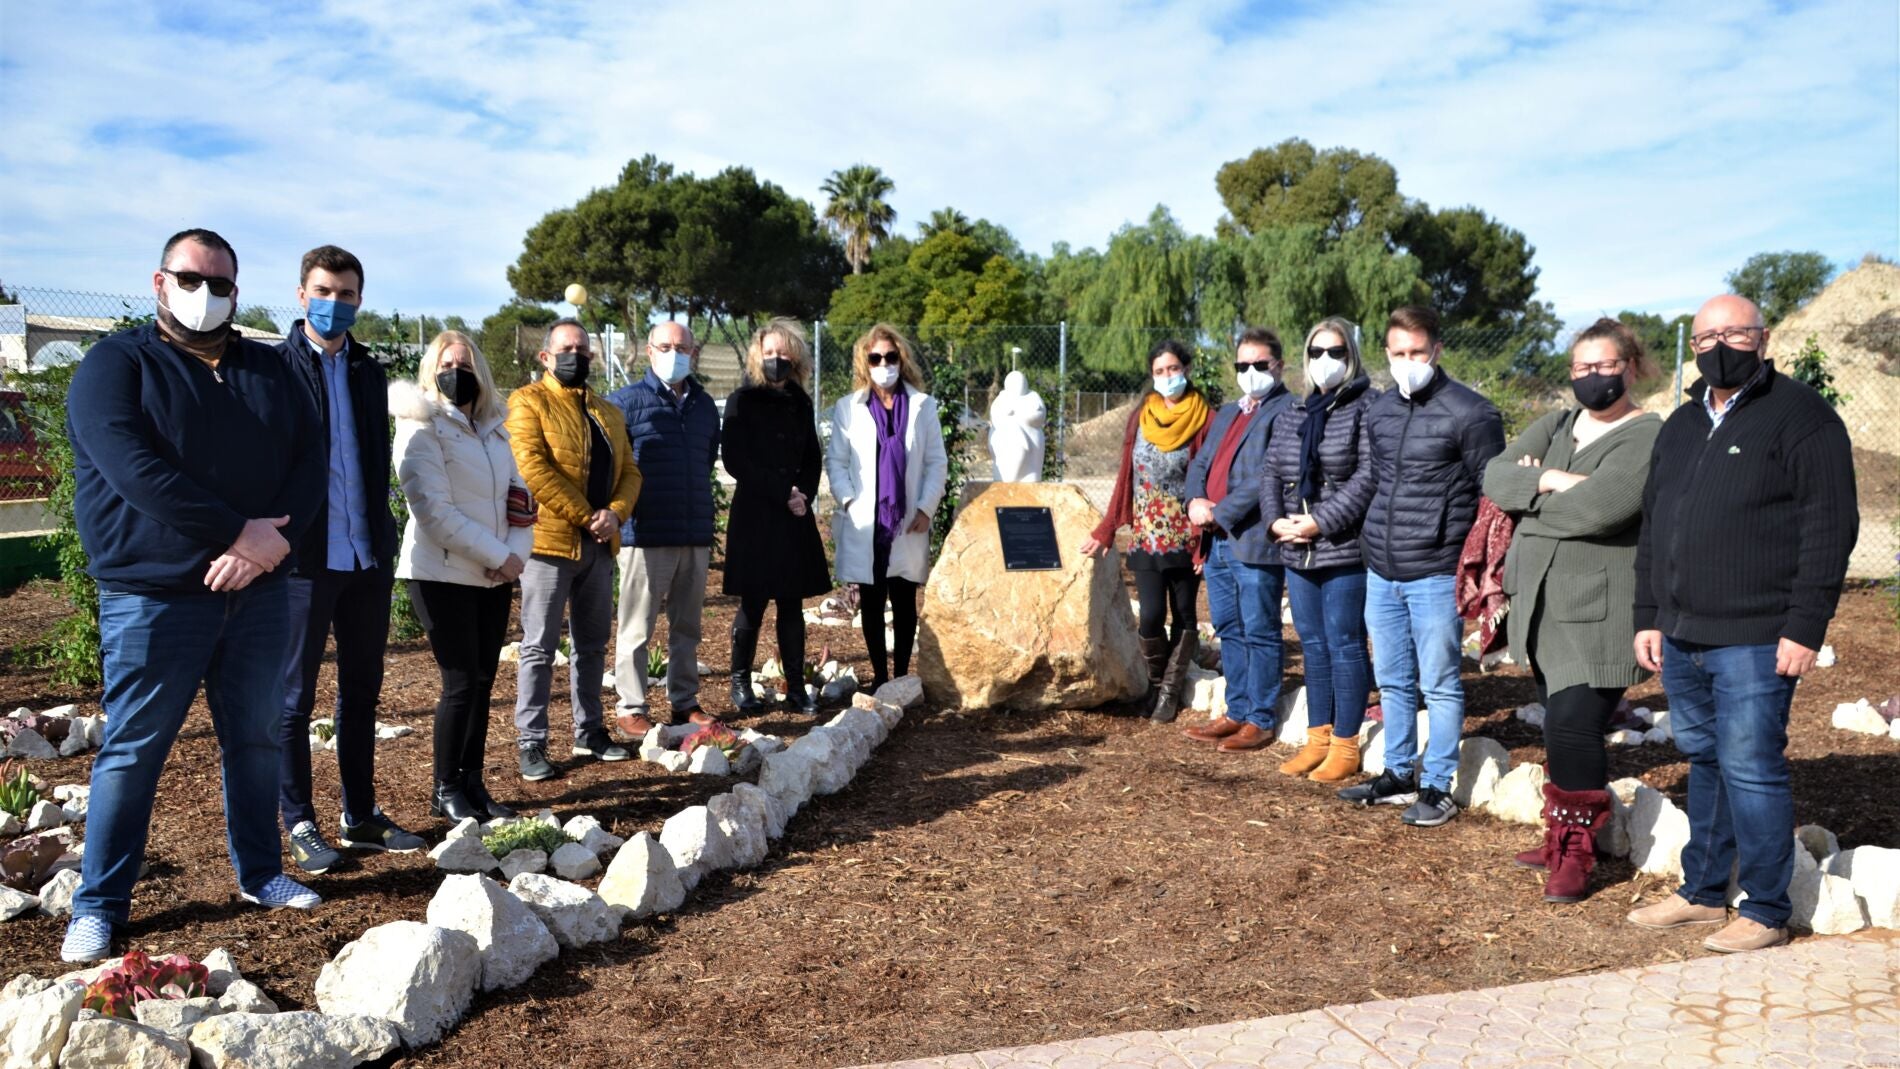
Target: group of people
232	498
1710	546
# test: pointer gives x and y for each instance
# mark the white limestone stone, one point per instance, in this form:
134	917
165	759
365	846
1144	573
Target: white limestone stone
641	879
852	750
839	689
1824	904
1519	795
672	760
419	977
73	743
9	825
16	903
115	1043
1819	842
787	776
221	971
1625	737
572	861
905	692
546	816
744	828
1874	872
773	815
466	854
522	859
467	827
698	846
63	712
1371	747
1291	716
709	761
1658	831
1824	658
830	769
242	996
44	816
176	1016
1482	762
575	915
1658	737
1615	840
34	1028
29	743
863	723
511	941
1860	716
1893	730
1532	714
588	832
56	896
304	1038
23	985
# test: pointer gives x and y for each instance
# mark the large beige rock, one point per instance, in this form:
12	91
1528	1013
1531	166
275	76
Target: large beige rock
305	1039
1027	640
112	1043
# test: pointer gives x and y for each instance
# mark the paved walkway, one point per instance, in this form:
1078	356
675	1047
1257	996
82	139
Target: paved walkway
1820	1002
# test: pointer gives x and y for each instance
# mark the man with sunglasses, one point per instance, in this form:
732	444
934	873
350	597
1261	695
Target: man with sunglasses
197	465
666	545
1749	518
345	567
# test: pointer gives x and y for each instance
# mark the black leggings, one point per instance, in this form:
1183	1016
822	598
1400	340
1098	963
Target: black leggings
466	625
1162	591
1575	720
790	623
902	595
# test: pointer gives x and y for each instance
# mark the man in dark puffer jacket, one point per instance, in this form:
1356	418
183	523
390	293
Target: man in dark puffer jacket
1431	438
666	547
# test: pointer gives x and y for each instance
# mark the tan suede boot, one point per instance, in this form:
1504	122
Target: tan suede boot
1342	761
1318	740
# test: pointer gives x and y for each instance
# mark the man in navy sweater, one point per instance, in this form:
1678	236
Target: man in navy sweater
196	464
345	566
666	546
1749	517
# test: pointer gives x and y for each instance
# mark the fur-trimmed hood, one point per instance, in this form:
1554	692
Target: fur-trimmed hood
407	401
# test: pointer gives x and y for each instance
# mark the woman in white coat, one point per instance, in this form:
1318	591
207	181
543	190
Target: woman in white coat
887	468
470	530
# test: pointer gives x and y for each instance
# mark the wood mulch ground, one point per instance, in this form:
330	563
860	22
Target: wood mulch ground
988	880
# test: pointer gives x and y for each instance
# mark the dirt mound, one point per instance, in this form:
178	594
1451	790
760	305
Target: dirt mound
1856	321
1095	445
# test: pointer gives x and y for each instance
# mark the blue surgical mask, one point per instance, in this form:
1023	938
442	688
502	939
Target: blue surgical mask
330	318
1170	386
672	367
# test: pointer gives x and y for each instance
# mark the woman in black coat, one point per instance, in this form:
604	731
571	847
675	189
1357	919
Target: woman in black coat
769	444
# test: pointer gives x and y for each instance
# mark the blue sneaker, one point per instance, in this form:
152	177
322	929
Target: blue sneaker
87	939
282	892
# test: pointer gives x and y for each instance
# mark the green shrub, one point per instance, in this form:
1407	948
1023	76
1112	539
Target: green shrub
528	834
71	648
17	792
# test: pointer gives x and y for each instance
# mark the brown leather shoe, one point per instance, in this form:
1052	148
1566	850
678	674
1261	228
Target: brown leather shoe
1212	730
1247	738
696	715
633	725
1744	934
1674	912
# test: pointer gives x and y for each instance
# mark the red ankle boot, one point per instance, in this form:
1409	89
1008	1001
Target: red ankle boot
1576	818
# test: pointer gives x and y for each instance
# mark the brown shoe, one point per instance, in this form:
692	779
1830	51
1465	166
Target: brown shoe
633	725
1247	738
1342	761
696	715
1744	934
1212	730
1318	740
1674	912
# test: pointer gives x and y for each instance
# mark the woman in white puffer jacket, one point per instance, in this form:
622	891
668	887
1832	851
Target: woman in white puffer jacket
470	530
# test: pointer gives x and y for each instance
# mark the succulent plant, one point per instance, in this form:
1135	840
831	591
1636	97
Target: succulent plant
324	731
51	728
137	977
18	792
656	663
525	835
714	735
27	862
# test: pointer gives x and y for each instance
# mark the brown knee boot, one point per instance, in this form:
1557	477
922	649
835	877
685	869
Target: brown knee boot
1318	740
1342	761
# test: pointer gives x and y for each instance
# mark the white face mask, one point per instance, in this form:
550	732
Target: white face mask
1412	376
672	367
1325	372
884	376
198	309
1257	381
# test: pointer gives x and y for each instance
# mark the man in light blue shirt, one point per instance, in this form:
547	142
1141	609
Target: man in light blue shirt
345	565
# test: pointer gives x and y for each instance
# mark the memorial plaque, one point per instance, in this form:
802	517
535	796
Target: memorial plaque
1028	534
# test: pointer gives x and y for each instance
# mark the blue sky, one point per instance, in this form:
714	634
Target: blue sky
1645	149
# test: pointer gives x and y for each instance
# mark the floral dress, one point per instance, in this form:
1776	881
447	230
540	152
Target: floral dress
1163	538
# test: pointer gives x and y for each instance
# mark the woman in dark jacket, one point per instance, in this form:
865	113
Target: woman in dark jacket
1574	482
1164	433
769	444
1319	481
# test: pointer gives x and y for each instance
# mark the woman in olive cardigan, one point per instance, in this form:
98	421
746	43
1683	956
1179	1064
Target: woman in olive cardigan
1573	481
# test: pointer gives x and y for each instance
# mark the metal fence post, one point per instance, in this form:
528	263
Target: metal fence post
817	368
1680	327
1062	386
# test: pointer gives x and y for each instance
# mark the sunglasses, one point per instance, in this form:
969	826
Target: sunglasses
1337	352
1241	366
877	359
189	281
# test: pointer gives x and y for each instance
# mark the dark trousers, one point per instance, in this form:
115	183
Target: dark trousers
1161	591
356	606
902	595
791	630
1575	721
466	625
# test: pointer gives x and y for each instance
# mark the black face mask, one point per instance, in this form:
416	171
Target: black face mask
570	368
777	369
458	385
1726	367
1597	391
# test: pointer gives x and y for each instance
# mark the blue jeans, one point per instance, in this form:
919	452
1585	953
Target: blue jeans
158	649
1416	637
1329	614
1730	712
356	606
1244	601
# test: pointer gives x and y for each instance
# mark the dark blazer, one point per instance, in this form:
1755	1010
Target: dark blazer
1347	478
675	443
1238	512
171	458
769	444
369	402
1429	451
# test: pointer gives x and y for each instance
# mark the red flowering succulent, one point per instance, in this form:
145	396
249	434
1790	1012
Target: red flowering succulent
137	977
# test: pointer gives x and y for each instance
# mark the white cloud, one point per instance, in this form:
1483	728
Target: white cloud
1644	150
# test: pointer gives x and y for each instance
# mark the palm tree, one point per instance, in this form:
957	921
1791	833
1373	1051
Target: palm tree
946	219
858	210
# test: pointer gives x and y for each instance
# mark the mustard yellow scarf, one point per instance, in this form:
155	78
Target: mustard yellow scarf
1171	428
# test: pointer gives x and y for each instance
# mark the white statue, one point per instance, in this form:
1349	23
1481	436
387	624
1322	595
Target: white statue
1016	418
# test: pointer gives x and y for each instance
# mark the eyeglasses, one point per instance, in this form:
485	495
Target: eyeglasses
1241	366
1604	367
1337	352
877	359
1737	337
189	281
668	348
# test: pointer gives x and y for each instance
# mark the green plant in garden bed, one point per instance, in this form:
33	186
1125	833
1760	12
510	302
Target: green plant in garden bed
718	735
17	792
324	730
137	978
656	663
529	834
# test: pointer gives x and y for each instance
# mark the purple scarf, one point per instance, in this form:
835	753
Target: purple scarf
892	509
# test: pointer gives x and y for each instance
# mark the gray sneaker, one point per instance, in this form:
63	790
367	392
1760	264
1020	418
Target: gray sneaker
534	763
309	851
595	742
1383	789
380	833
1434	807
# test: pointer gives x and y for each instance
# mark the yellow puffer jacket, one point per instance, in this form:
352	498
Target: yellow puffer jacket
552	449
